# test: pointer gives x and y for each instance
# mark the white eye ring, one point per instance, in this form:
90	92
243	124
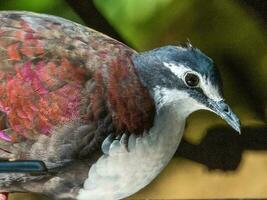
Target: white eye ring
191	79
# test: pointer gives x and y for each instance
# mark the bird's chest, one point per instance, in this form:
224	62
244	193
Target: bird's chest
120	173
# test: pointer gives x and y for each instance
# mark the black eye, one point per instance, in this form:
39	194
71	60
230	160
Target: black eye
191	80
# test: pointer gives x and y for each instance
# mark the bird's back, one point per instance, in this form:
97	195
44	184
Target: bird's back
45	62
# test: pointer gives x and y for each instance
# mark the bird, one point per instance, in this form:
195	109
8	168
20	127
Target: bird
85	117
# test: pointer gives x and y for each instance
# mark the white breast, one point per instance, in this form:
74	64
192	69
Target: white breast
120	173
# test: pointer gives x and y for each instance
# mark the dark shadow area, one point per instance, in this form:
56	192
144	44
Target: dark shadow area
222	147
93	18
258	6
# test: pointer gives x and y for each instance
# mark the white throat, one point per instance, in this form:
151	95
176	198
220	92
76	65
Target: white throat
120	173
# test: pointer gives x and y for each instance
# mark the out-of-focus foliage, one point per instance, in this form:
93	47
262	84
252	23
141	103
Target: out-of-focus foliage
54	7
235	38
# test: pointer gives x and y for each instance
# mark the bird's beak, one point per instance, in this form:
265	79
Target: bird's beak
224	111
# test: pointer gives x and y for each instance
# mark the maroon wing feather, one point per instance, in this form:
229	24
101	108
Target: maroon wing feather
54	72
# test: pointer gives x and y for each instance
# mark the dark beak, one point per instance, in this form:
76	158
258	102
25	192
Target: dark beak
224	111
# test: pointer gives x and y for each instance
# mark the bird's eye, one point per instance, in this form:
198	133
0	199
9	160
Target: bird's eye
192	80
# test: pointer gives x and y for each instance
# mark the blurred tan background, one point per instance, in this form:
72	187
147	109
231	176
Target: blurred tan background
212	160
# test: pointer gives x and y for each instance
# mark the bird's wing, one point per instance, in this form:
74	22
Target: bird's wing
46	63
64	88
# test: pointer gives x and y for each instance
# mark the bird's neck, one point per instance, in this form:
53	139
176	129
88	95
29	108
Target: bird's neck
166	133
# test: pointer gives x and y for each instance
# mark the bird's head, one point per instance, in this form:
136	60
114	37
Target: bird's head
185	78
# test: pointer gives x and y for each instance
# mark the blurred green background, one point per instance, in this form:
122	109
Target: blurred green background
212	162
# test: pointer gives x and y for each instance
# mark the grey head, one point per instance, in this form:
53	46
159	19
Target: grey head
184	77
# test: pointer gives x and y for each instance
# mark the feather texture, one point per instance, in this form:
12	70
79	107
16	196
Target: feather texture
64	89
